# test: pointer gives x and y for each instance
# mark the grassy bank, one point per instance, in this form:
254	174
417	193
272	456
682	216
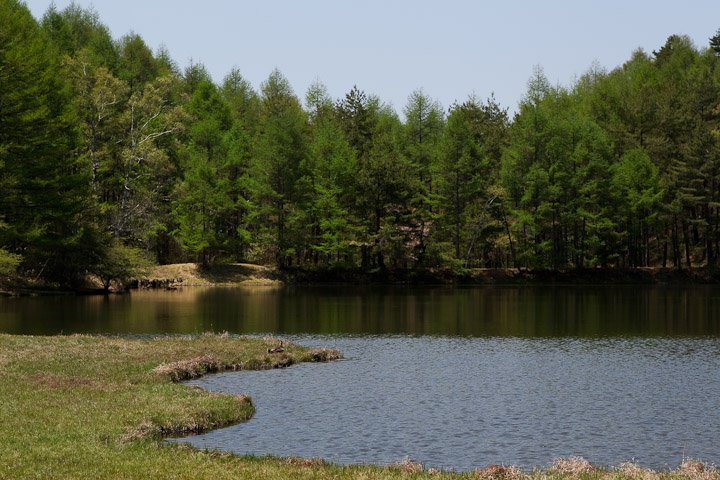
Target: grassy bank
98	407
193	274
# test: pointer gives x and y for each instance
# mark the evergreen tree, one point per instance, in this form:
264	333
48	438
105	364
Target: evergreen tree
423	131
557	173
384	183
639	195
333	166
715	43
43	191
75	29
280	171
195	75
357	118
242	99
207	200
473	143
136	64
165	63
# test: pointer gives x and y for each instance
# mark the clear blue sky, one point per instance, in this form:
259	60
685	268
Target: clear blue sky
450	48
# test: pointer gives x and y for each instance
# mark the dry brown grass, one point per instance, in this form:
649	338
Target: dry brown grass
302	462
635	471
572	466
186	369
324	354
192	274
408	466
499	472
65	382
198	366
698	469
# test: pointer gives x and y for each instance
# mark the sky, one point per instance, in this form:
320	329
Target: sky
450	48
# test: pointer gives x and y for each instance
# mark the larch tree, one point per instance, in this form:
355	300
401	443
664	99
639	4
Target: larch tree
333	166
203	209
281	183
472	146
44	193
423	129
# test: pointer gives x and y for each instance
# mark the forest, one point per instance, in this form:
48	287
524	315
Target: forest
111	155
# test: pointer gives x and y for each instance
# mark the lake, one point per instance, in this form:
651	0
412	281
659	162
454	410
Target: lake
455	378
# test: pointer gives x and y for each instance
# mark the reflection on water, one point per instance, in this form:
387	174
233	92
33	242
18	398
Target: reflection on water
453	377
476	311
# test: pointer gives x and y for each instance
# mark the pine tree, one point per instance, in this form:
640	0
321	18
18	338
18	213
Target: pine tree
423	131
715	43
473	143
281	183
44	192
203	206
333	167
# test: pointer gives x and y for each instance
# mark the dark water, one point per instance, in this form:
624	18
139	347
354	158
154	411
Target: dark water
485	311
454	378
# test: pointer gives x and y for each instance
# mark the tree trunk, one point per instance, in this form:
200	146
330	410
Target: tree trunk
507	229
687	243
457	215
675	241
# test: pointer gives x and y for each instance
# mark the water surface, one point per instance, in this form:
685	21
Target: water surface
477	311
464	403
456	378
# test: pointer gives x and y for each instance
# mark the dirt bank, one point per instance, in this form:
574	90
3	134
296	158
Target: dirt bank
190	274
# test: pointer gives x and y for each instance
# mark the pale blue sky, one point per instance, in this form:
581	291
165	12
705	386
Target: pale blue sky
450	48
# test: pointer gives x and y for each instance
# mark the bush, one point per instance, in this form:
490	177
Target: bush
120	263
8	262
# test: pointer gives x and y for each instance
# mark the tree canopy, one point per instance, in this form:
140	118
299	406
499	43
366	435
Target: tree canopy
108	150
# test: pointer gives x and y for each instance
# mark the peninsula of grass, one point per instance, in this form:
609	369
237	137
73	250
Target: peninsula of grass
98	407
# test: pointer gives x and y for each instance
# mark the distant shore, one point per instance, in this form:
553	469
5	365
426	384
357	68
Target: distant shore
236	274
190	274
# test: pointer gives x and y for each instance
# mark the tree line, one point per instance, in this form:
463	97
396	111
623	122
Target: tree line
109	152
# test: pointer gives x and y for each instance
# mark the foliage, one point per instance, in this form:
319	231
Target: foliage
121	263
44	192
621	167
8	262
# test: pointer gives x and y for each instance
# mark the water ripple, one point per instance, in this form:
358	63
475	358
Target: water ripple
463	403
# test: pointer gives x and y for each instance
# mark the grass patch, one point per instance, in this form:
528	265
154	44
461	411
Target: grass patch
97	407
192	274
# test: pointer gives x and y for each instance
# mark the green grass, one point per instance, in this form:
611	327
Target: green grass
98	407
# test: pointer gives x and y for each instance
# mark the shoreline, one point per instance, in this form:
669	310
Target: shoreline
238	274
130	396
181	275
